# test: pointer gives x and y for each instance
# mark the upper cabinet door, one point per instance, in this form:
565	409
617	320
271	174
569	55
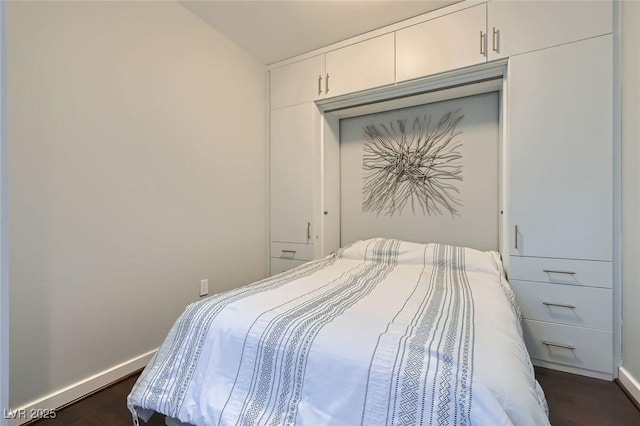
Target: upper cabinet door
298	82
360	66
442	44
523	26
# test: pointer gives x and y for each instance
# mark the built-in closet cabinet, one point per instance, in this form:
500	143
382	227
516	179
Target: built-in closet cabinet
560	142
293	131
523	26
557	232
445	43
295	127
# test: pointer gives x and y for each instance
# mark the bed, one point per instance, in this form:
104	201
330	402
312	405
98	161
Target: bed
382	332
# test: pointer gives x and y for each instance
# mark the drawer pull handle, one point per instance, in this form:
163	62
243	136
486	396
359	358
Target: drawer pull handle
561	305
551	271
482	43
319	85
288	251
558	345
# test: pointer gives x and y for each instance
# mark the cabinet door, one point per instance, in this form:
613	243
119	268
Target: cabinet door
560	151
523	26
292	135
361	66
442	44
298	82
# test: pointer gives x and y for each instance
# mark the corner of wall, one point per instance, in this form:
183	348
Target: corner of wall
4	281
630	138
630	383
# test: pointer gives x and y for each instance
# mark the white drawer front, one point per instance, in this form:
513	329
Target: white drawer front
566	304
280	265
561	271
292	251
592	349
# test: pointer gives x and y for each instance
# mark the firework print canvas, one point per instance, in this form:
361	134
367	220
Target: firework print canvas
428	173
413	162
383	332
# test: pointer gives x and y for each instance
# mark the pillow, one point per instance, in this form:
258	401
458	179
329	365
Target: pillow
386	250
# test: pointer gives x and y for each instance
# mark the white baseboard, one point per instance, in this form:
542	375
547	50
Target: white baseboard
573	370
61	397
630	383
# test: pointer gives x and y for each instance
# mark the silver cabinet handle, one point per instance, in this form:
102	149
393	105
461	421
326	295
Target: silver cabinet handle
287	254
319	85
552	271
482	43
558	345
496	40
516	237
308	230
326	84
560	305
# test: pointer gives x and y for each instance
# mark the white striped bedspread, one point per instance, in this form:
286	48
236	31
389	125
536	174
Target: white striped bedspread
383	332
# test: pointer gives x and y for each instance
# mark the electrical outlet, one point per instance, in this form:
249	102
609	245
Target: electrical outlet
204	287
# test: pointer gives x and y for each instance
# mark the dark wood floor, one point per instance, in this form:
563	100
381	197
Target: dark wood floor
573	401
582	401
105	408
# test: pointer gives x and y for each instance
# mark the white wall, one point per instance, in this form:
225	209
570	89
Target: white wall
4	282
137	165
631	189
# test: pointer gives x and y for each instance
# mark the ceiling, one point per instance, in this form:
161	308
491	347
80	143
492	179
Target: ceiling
277	30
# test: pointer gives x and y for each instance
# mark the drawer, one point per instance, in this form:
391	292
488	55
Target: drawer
590	307
585	348
292	251
280	265
561	271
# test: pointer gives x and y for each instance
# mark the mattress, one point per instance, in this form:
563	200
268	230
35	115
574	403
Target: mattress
383	332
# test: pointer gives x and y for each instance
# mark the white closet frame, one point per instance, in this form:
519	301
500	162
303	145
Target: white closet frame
483	78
